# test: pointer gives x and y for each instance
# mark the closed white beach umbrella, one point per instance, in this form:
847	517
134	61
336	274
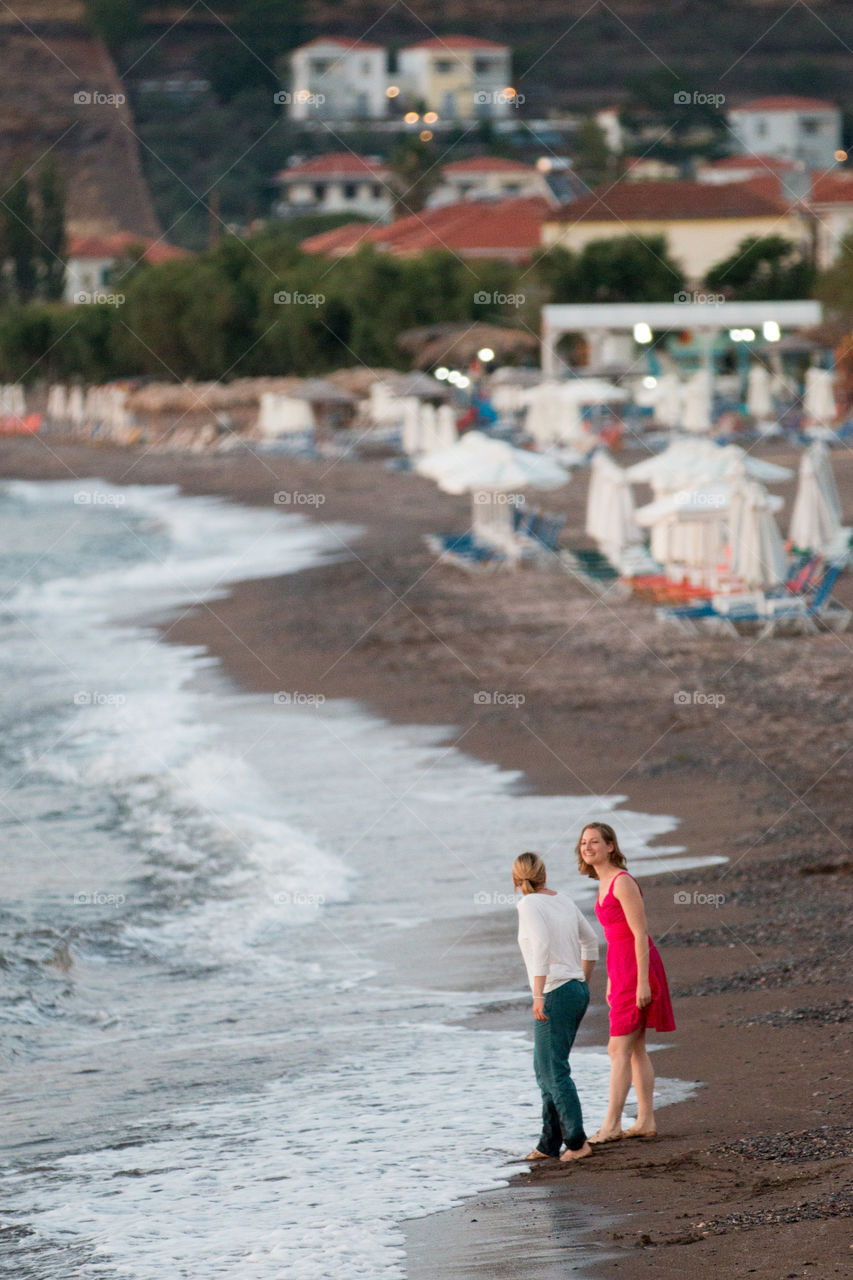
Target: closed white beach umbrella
668	400
445	427
758	552
825	476
410	433
819	398
76	406
610	508
697	402
57	404
815	524
759	401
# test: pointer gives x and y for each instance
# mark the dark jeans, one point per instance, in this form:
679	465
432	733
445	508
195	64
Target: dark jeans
562	1121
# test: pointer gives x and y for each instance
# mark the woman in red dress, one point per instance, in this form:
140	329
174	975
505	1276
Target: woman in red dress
637	990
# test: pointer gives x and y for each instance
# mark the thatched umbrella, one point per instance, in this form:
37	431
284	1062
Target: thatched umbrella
458	344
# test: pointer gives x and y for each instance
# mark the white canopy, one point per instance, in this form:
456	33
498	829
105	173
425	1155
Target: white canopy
554	408
479	462
689	463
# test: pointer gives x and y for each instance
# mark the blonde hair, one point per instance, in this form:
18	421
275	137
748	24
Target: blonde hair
528	872
608	835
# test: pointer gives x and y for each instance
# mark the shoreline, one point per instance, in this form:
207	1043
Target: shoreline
764	777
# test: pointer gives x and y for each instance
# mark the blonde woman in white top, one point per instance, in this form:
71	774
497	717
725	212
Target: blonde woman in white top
560	949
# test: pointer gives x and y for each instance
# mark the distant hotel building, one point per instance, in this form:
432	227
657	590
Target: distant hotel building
489	178
805	130
336	79
457	77
338	183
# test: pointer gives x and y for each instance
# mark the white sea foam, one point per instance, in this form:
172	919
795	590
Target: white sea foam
314	873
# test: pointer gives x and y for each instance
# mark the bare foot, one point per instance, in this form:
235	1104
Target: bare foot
536	1154
605	1135
637	1132
568	1156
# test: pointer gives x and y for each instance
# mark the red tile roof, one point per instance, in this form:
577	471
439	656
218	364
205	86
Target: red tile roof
668	201
786	102
832	188
337	164
489	164
768	185
118	244
750	162
340	41
457	42
508	229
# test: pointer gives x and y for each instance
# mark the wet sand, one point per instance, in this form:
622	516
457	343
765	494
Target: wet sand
763	777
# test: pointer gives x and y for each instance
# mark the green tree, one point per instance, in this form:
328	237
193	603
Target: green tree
763	267
593	160
414	176
834	286
51	231
20	238
624	269
114	21
248	53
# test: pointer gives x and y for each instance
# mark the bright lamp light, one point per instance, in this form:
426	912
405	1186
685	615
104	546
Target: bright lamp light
642	332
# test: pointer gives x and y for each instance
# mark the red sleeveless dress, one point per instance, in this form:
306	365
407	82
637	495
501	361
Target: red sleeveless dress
625	1017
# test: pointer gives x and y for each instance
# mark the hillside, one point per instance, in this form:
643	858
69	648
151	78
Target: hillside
569	55
93	143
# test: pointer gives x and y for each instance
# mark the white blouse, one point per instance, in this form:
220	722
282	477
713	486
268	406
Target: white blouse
554	938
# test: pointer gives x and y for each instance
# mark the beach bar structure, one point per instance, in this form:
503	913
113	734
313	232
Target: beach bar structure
599	321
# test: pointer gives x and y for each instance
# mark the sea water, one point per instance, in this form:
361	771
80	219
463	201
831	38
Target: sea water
243	938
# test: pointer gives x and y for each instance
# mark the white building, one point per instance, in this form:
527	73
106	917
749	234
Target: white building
92	259
337	79
610	124
458	77
831	205
340	182
489	178
804	129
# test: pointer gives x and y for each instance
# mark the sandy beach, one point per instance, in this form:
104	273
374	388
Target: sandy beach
748	743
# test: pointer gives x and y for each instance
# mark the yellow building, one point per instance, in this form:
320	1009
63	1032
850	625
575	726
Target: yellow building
458	77
703	224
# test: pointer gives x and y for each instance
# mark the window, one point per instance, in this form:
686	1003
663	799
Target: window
512	188
485	66
444	66
376	191
319	66
319	190
810	126
761	128
350	190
